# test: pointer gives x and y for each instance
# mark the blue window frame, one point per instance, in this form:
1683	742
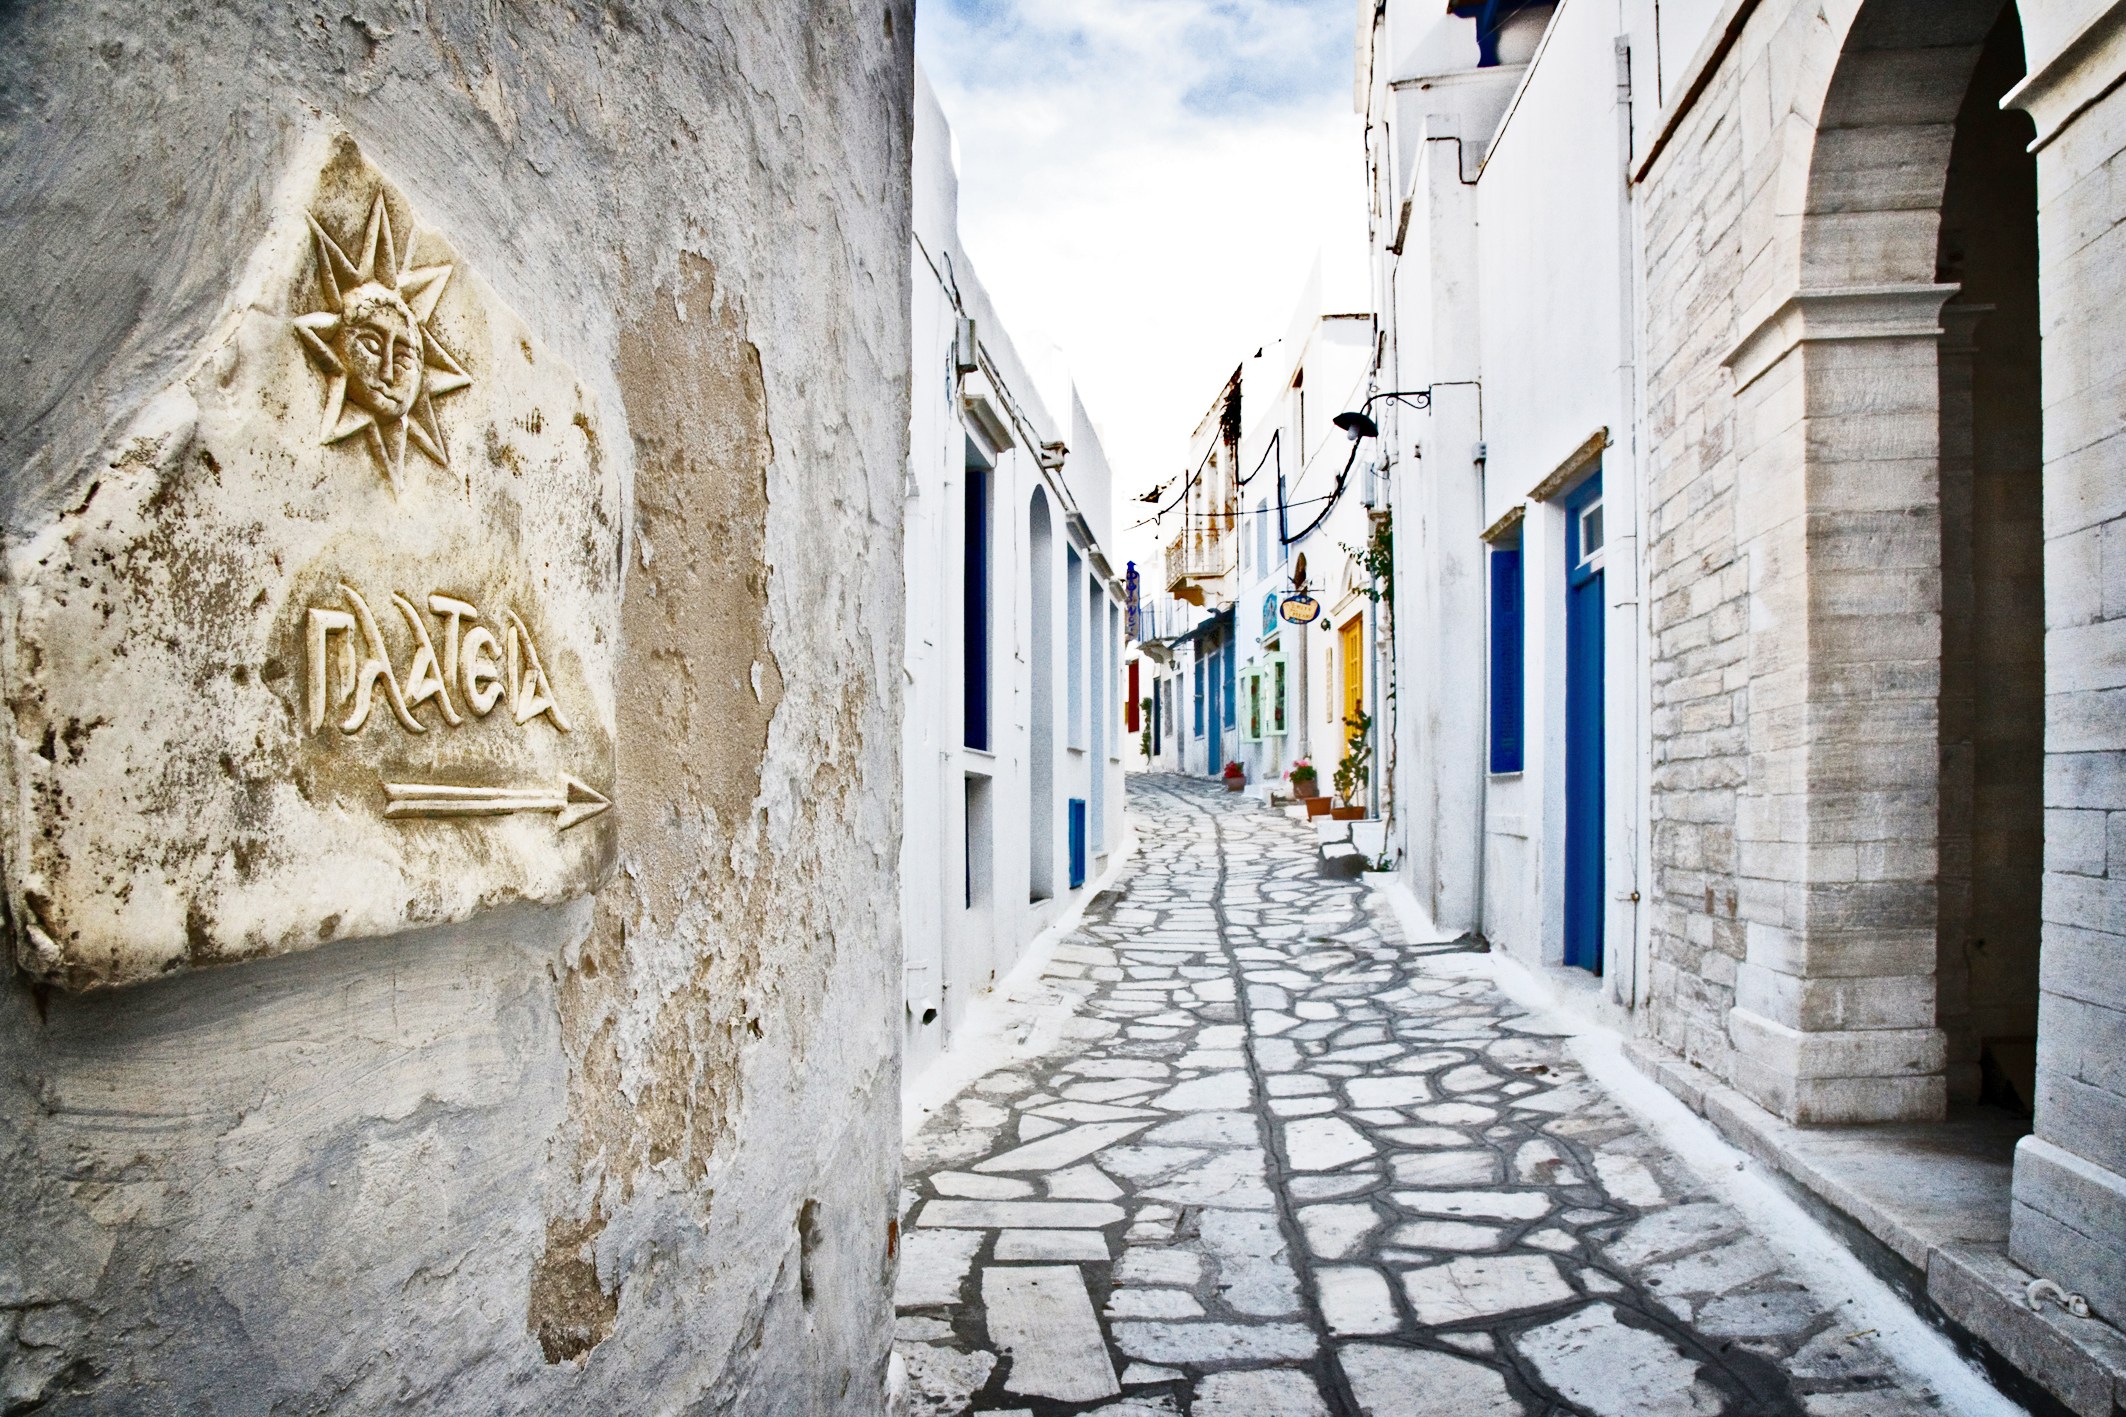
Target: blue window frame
1508	660
1077	842
974	647
1232	680
1199	696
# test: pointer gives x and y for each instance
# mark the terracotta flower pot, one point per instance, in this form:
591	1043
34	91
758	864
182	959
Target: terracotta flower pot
1317	807
1347	814
1306	786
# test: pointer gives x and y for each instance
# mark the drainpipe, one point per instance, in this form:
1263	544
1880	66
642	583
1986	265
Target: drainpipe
1632	388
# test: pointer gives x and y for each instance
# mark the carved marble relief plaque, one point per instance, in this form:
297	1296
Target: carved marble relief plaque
326	648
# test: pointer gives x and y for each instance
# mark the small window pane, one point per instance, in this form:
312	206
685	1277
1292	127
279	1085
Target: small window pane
1590	532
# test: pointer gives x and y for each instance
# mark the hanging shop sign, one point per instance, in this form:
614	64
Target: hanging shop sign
1132	616
1300	609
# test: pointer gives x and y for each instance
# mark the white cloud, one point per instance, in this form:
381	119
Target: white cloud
1146	182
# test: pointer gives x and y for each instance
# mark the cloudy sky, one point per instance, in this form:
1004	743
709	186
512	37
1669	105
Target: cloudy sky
1145	183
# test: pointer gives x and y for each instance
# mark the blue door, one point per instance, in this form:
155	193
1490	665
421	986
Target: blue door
1217	712
1584	610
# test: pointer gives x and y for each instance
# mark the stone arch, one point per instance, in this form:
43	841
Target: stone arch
1836	1016
1879	156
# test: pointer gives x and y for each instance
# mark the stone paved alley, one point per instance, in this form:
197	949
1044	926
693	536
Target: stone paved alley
1274	1161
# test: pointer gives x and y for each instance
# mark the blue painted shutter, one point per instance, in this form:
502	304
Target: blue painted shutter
975	613
1077	842
1508	657
1231	680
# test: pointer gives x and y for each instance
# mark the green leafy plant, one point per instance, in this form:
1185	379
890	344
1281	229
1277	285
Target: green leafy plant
1145	707
1356	769
1378	558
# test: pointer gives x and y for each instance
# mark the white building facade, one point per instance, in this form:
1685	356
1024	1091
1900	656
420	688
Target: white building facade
1757	655
1272	502
1182	542
1502	264
1014	728
1307	511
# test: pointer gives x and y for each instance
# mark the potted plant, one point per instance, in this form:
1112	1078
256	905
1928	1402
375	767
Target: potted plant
1355	769
1236	777
1306	786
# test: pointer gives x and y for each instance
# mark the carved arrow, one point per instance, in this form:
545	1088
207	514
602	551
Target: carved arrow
573	801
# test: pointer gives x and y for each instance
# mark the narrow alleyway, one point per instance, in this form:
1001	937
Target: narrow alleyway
1264	1159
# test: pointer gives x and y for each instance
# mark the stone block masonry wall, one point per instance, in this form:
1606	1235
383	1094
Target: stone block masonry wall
2070	1179
1793	345
634	1151
1697	239
1788	230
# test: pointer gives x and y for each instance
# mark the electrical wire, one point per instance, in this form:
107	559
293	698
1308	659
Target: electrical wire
1335	494
1186	487
1276	439
1248	511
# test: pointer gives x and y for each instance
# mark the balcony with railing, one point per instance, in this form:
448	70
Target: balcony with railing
1198	559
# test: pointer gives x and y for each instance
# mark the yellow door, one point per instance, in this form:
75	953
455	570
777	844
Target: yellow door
1354	674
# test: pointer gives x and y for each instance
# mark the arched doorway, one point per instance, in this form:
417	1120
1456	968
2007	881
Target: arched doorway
1885	597
1921	532
1925	460
1992	594
2020	499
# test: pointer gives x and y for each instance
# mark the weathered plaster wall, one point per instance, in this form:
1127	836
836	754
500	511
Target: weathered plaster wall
632	1153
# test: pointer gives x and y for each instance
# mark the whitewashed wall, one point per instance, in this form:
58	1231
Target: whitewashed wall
956	951
1554	262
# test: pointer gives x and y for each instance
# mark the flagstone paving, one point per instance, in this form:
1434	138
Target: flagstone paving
1276	1163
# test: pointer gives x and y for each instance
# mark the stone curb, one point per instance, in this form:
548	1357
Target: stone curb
1973	1287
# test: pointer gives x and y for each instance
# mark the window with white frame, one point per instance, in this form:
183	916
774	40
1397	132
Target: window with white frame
1591	533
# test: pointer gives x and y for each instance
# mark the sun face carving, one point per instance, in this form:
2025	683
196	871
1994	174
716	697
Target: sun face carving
384	367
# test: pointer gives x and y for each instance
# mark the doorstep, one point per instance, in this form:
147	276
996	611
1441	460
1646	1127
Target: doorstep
1930	1204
